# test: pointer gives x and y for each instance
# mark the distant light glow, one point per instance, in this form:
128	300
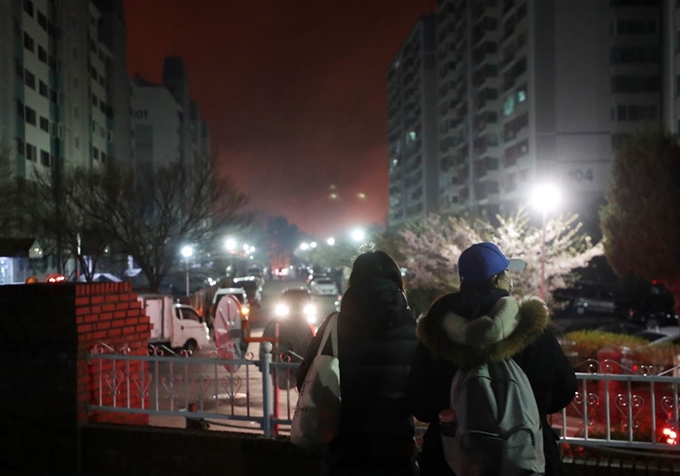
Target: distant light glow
304	246
330	241
358	235
312	244
230	244
187	251
333	196
361	196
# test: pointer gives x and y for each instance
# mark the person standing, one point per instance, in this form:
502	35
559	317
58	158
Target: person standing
376	345
480	324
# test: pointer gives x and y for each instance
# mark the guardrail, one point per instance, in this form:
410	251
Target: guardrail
614	406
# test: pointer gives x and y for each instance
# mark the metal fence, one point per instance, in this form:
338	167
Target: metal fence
615	406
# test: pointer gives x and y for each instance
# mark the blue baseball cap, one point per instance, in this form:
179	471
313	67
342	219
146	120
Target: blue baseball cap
482	261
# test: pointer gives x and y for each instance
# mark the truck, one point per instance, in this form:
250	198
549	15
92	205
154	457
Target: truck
175	325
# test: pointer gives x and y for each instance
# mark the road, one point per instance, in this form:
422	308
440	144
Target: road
239	392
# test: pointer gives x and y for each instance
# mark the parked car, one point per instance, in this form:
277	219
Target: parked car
621	328
589	298
251	285
313	276
655	310
174	325
661	335
323	287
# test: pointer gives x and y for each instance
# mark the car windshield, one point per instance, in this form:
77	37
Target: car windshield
296	296
248	285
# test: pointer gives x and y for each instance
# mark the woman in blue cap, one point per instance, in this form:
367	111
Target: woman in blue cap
480	324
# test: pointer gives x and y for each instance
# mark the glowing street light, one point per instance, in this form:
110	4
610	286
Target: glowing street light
312	244
187	252
358	235
304	246
545	198
230	244
330	241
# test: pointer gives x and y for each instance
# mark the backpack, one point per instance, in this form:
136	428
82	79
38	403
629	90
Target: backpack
498	426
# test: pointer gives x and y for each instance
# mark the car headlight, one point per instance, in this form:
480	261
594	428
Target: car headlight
281	310
245	311
309	310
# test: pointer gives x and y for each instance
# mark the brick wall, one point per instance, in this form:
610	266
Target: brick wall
45	382
109	313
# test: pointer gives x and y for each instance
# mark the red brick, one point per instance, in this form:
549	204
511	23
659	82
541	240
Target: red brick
112	298
131	321
92	318
122	305
97	299
104	325
134	313
81	311
99	335
79	320
142	328
82	301
96	309
128	330
119	314
105	316
109	307
83	328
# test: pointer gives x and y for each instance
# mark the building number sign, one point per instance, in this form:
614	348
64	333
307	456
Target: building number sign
581	175
141	114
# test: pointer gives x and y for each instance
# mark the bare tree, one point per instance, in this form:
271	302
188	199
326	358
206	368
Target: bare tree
150	216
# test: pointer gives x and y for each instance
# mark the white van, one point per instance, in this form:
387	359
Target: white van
175	325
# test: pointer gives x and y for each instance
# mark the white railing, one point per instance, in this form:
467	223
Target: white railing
614	406
619	407
236	393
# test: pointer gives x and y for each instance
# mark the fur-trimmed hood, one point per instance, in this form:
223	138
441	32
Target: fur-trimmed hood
506	329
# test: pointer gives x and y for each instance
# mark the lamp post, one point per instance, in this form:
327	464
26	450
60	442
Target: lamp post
187	251
230	245
546	198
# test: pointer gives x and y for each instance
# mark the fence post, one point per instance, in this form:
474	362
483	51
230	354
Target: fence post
266	389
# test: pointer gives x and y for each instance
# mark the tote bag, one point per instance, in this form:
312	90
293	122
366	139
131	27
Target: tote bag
317	413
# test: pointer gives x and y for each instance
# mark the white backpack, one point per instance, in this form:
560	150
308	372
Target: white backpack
498	424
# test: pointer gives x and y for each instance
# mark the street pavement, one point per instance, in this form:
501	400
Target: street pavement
240	393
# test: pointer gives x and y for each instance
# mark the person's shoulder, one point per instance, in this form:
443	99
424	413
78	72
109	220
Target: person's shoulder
444	304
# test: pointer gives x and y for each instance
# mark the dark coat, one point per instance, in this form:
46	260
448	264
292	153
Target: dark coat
376	345
458	333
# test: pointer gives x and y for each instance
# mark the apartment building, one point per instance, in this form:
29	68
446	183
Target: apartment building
412	134
531	91
55	97
157	121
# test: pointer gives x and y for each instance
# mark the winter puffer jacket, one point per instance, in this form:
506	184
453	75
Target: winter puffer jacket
376	346
460	331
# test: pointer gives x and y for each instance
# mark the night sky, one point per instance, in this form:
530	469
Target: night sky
294	93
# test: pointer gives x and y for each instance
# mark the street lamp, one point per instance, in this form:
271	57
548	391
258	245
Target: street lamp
546	198
330	241
358	235
187	251
230	245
